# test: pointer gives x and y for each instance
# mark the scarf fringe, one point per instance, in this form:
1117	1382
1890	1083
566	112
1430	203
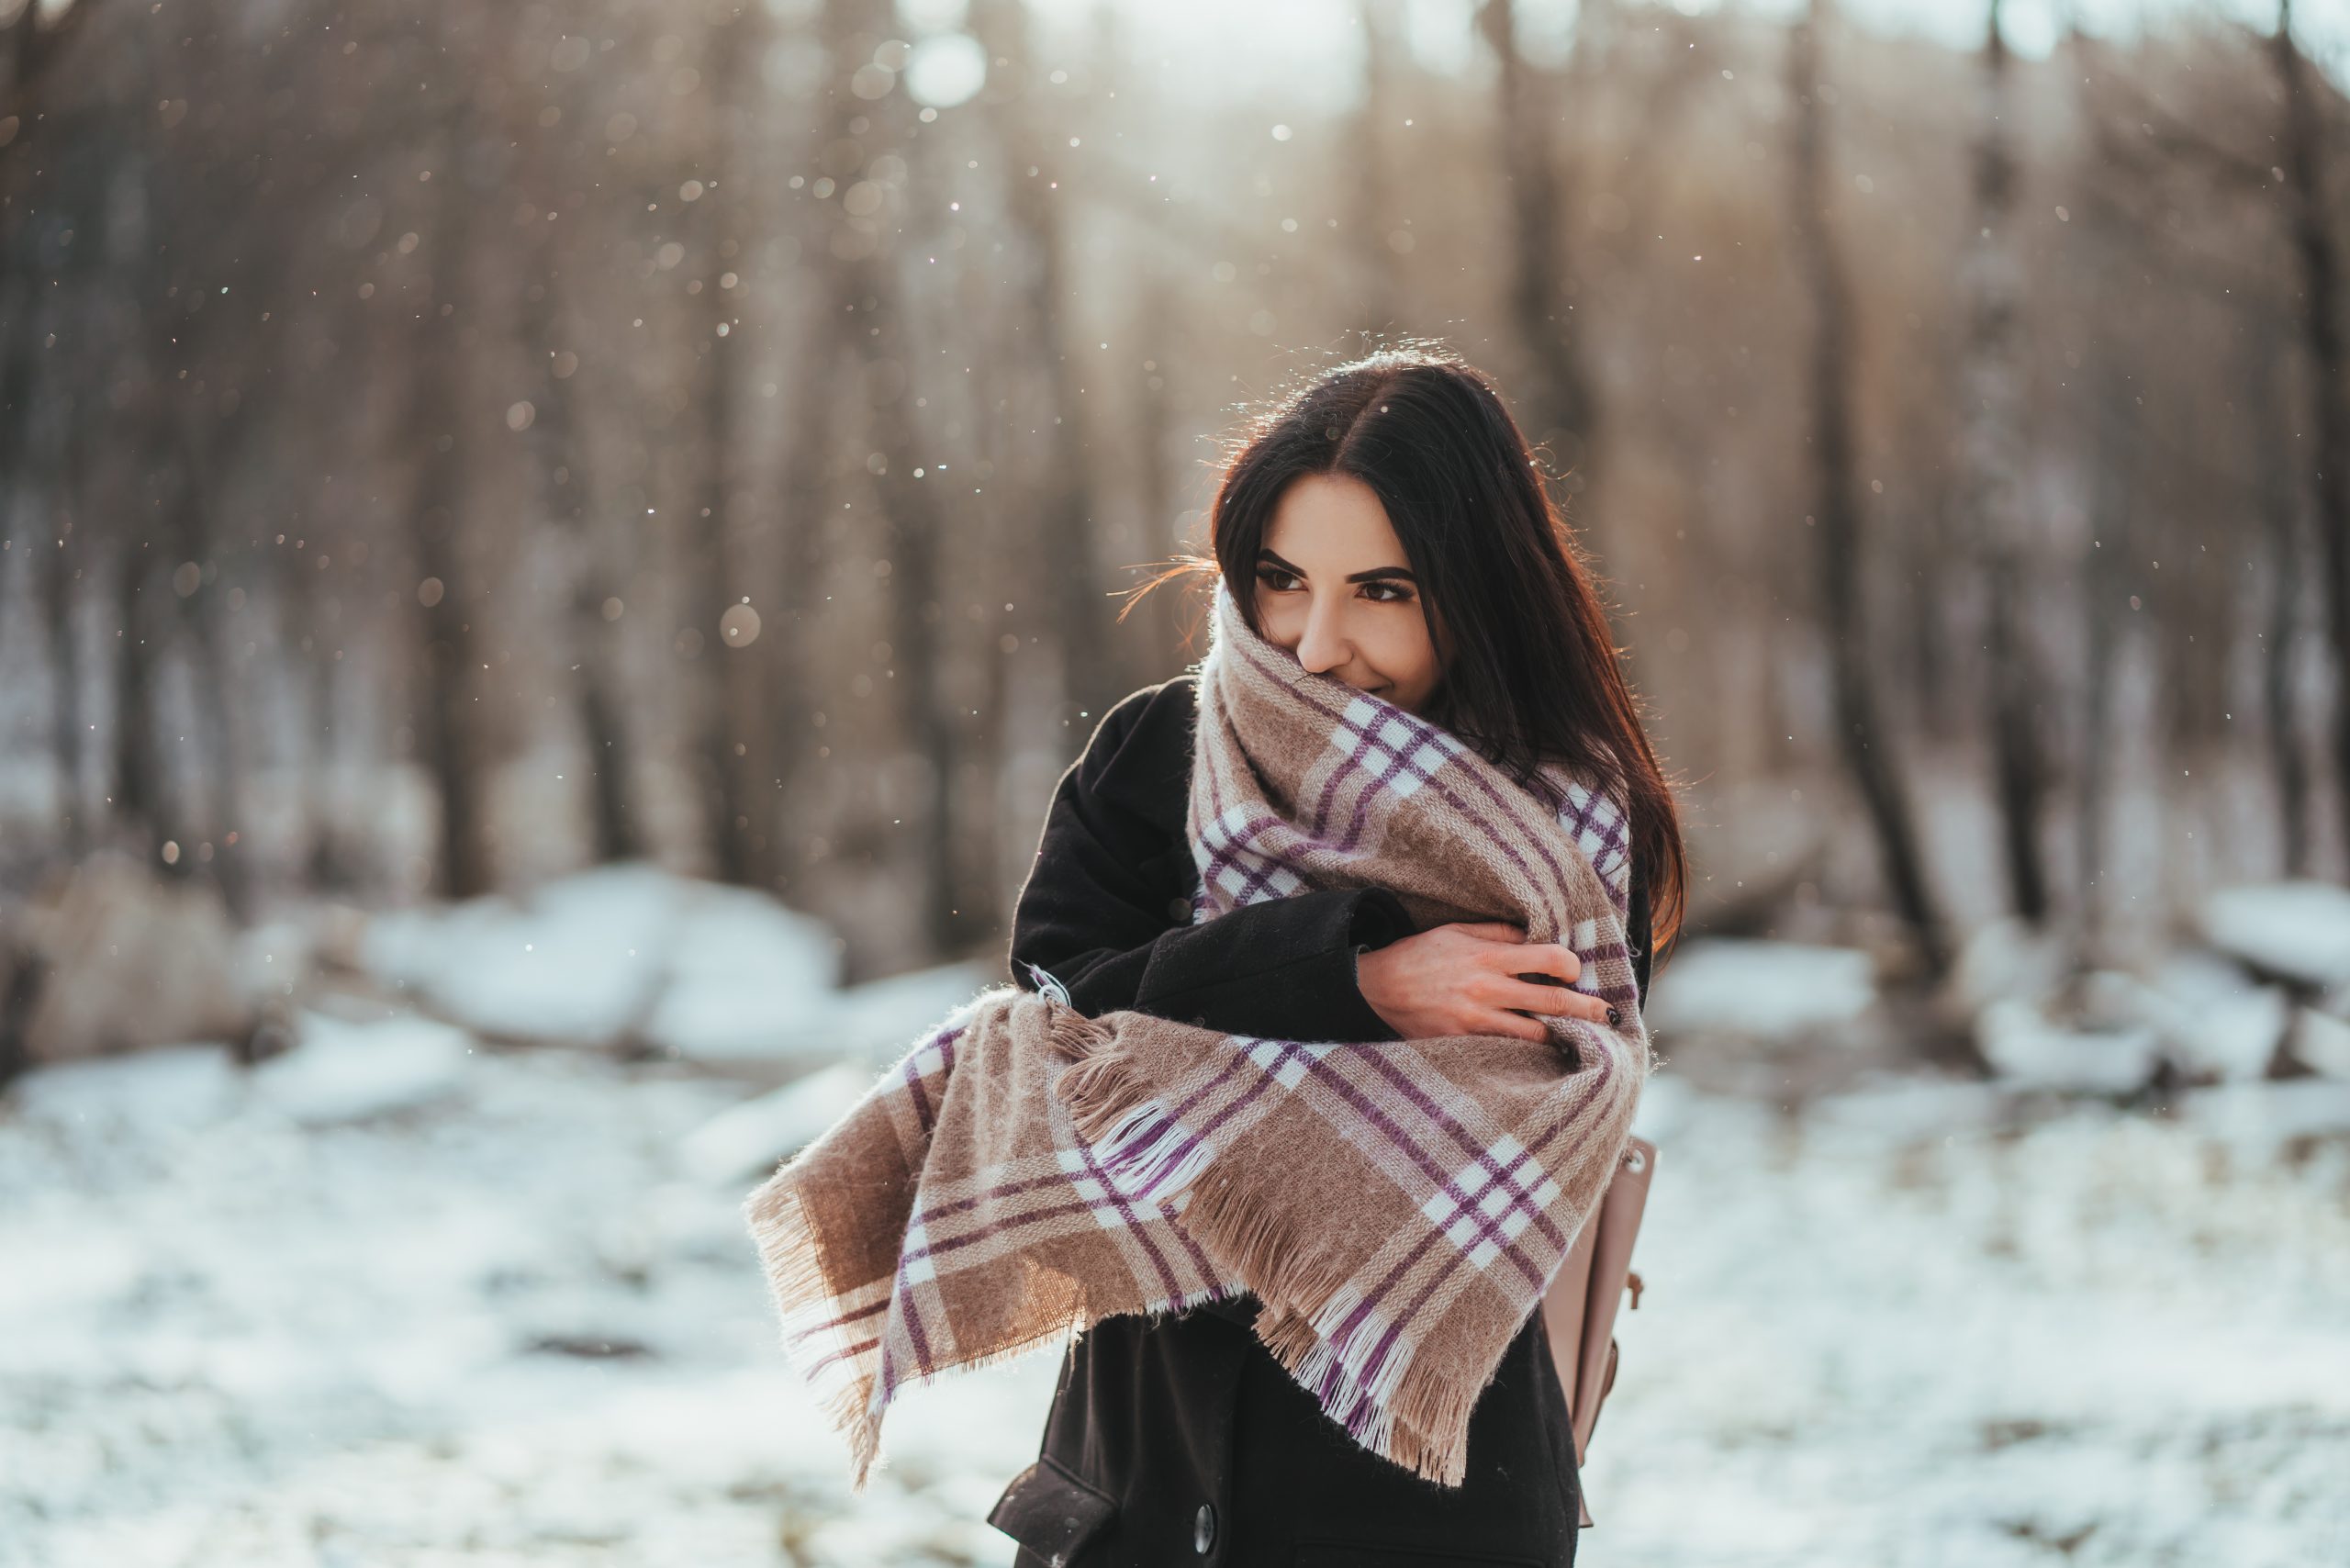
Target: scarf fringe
1404	1410
1074	1035
792	1256
1145	1153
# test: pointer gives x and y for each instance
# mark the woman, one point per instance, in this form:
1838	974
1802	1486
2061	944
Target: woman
1388	529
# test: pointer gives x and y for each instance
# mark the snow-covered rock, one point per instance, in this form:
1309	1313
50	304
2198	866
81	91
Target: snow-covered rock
170	1087
629	954
620	953
2322	1042
2212	1019
2299	929
748	979
2005	958
881	1019
345	1071
1766	990
2253	1119
750	1139
2031	1050
575	961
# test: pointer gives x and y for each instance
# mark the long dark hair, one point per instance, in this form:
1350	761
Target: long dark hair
1529	670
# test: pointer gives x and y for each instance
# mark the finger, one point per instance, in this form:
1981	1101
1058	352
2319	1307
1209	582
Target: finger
1491	930
1593	1008
1517	1025
1550	1000
1548	959
1575	1005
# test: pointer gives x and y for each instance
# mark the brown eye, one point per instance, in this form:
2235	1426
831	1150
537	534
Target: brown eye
1276	579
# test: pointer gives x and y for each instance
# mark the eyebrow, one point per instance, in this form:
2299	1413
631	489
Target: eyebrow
1376	574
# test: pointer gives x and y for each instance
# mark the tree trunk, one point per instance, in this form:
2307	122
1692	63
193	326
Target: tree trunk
1563	408
884	356
2281	544
446	729
1995	455
552	440
1092	678
204	631
1372	193
2302	149
735	742
1860	734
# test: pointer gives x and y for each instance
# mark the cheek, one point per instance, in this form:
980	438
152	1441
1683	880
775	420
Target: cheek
1281	618
1405	653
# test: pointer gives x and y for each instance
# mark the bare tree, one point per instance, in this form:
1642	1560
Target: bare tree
1372	192
2303	140
882	356
735	739
550	434
1861	735
1066	507
1995	457
2277	491
1561	401
451	588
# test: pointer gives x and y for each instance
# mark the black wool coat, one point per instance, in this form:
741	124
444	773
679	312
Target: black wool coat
1179	1440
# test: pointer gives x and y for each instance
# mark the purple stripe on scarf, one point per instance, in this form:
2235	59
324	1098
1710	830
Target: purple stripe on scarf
1613	839
1482	1153
902	1293
914	1075
821	1362
1260	877
1402	1142
1127	1213
843	1321
1459	1254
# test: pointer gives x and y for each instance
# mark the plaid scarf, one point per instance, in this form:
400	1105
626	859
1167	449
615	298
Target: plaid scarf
1398	1206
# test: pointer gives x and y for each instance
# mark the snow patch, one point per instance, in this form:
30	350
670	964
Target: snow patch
348	1072
750	1140
2299	929
142	1095
1766	990
2031	1050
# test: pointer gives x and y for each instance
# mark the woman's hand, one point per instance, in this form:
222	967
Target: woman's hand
1463	980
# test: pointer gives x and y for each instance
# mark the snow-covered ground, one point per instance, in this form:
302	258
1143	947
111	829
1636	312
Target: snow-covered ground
480	1309
493	1321
402	1296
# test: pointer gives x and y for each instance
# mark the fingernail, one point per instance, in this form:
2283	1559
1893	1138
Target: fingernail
1613	1016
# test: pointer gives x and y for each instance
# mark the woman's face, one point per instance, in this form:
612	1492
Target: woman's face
1333	588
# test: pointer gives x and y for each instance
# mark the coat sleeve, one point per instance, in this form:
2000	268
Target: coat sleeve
1106	909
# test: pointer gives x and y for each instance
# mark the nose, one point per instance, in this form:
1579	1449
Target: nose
1323	646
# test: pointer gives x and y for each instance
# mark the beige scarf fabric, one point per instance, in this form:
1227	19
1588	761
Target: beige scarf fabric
1398	1206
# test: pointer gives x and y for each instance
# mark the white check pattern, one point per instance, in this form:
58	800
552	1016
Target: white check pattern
1398	751
1491	1201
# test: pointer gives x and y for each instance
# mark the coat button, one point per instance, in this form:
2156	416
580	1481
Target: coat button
1179	909
1203	1530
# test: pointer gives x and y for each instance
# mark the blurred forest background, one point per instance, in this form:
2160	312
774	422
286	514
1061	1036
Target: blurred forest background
442	446
552	551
